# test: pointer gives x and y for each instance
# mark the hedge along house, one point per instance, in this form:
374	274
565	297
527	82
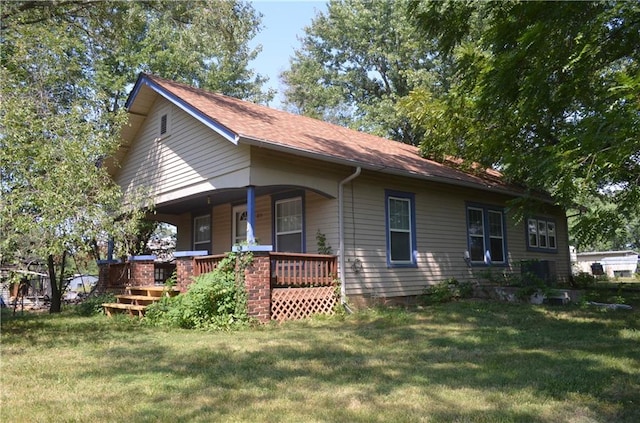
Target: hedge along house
225	171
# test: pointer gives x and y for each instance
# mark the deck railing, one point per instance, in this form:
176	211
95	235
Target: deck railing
302	270
206	264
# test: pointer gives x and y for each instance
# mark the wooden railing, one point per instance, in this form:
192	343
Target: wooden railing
302	270
206	264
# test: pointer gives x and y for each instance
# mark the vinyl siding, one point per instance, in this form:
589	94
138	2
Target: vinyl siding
189	159
441	236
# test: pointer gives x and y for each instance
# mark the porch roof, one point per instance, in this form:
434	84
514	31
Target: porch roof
253	124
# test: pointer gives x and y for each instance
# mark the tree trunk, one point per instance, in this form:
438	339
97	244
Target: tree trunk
56	288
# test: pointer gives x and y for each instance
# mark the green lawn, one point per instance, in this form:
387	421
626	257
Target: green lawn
470	361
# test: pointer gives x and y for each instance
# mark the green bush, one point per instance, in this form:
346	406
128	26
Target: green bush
446	291
93	304
213	301
584	280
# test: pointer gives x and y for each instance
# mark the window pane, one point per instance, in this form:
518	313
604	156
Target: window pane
533	232
289	215
399	214
497	250
400	246
202	229
476	248
551	234
495	224
290	243
542	232
476	225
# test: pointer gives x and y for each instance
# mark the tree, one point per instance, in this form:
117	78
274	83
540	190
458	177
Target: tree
548	94
64	70
356	62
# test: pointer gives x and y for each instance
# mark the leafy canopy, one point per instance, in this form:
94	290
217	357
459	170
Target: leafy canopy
549	94
356	62
64	69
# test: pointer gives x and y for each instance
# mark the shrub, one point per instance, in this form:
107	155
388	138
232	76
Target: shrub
584	280
92	305
214	301
447	290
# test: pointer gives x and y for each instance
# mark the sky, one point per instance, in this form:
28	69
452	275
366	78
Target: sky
282	22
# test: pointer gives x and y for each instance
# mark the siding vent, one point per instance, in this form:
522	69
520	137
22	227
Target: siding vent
163	124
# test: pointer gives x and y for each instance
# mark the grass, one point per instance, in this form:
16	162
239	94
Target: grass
469	361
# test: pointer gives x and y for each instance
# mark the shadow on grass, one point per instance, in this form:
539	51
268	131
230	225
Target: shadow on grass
470	361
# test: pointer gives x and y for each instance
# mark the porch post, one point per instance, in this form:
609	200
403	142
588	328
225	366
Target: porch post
251	214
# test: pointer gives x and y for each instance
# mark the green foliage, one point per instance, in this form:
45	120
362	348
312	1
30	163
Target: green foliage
356	62
65	69
323	247
446	291
215	300
92	305
584	280
549	95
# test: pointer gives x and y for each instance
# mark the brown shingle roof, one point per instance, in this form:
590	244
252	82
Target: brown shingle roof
256	124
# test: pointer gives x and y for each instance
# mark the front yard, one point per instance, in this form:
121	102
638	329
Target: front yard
467	361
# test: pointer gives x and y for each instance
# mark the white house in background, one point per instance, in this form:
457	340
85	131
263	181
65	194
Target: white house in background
614	263
82	282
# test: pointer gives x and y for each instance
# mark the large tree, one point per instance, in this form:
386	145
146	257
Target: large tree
549	93
65	67
355	63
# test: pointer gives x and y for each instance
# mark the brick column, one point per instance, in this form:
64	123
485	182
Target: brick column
142	270
184	272
257	280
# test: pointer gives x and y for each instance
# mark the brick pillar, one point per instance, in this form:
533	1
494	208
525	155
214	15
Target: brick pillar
103	276
184	272
142	271
257	280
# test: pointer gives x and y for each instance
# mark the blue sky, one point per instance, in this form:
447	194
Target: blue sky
282	21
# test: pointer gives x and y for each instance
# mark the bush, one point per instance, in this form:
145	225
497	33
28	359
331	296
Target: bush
93	304
213	301
584	280
447	290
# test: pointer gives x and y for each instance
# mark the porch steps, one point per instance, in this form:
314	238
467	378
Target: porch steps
136	299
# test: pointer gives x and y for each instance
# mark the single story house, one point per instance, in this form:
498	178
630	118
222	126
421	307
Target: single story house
611	263
229	172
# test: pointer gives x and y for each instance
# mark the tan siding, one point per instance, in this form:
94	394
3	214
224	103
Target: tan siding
189	155
321	215
440	234
221	222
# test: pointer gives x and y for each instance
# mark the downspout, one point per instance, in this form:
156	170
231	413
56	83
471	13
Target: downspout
341	254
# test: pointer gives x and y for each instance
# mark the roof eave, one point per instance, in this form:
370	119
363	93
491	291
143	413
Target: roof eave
377	168
145	80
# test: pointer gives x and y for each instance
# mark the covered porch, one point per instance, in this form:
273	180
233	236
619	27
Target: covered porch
279	286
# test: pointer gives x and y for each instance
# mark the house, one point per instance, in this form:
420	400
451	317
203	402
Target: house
226	172
611	263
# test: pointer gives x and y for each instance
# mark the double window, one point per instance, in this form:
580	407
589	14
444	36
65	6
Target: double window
486	235
541	234
401	229
289	225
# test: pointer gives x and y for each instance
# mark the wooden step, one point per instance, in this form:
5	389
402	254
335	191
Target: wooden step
136	299
152	291
132	309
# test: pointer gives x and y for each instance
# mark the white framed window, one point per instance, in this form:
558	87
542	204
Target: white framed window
202	233
289	233
400	224
541	234
486	235
239	224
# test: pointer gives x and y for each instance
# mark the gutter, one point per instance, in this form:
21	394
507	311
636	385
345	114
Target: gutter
341	254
